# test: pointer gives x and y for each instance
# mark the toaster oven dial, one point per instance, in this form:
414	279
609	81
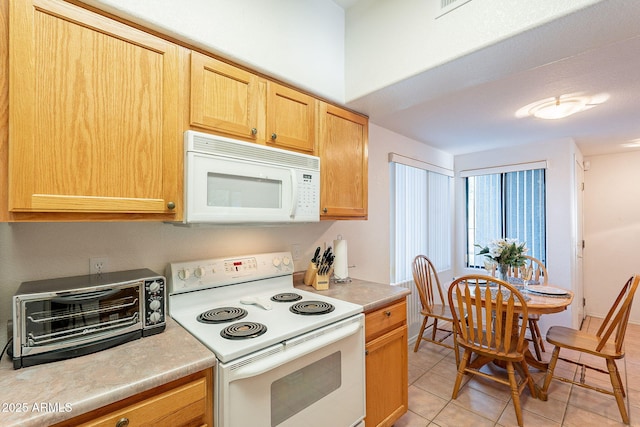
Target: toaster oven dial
155	305
155	317
154	286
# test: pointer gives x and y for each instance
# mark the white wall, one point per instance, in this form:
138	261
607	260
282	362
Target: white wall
611	229
299	42
560	223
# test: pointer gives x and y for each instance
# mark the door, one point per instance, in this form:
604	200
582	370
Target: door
94	117
291	119
225	98
315	380
344	156
578	287
387	392
230	190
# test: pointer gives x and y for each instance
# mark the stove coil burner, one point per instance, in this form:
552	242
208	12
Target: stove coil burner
243	330
308	308
286	297
222	315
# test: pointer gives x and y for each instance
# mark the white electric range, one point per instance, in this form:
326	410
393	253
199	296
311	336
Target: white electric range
294	357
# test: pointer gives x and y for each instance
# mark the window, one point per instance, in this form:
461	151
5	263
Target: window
509	204
421	217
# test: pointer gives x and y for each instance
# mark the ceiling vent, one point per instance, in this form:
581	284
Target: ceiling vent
447	6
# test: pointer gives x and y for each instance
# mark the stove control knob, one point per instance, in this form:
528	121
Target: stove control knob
199	272
286	261
277	262
183	274
154	286
155	317
154	305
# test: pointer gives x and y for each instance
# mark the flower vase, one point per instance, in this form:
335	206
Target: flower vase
503	272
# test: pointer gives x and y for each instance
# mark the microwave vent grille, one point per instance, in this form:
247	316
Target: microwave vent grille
255	153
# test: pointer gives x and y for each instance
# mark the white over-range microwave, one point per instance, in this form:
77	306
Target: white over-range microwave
235	182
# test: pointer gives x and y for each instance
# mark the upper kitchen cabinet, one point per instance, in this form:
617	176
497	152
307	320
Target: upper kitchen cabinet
95	117
226	99
291	120
232	101
343	146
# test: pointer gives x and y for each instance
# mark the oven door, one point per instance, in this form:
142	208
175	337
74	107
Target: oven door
60	321
221	190
315	380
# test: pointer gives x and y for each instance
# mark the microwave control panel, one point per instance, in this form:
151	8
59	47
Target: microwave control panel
308	194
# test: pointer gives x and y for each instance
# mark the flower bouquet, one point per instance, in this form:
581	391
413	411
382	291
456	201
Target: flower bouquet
505	253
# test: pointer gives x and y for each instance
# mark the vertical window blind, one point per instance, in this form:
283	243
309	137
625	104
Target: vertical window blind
421	218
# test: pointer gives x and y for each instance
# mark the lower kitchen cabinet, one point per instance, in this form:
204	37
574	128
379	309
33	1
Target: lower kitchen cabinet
184	402
386	364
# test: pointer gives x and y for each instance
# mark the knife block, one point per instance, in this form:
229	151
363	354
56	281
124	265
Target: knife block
321	282
310	275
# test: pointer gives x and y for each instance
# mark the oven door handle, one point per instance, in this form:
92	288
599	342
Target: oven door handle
296	348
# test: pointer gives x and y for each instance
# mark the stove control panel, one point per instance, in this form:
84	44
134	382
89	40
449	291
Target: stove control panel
240	265
208	273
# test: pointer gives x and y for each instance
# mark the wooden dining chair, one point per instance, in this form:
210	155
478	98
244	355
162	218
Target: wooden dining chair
540	277
606	343
433	303
487	321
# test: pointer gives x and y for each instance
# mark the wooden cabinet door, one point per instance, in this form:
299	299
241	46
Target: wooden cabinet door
291	119
94	115
387	378
226	99
343	151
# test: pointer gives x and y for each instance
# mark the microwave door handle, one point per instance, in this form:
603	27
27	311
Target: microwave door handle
294	193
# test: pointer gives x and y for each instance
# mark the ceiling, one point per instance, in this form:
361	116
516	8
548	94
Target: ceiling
469	104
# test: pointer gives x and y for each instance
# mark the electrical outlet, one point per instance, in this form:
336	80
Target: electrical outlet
98	265
296	252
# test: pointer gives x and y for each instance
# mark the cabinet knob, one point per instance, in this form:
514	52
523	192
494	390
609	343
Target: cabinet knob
324	210
122	422
254	131
274	136
387	313
171	206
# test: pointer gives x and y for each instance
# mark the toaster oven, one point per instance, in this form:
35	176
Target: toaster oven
57	319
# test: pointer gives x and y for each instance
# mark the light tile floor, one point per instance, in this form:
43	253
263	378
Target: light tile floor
484	402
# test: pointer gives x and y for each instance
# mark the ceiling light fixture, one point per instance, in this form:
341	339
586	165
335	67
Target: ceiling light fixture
635	143
561	106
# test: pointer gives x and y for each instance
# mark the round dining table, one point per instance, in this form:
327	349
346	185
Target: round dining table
544	299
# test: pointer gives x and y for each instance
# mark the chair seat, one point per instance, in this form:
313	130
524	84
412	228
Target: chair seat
511	355
573	339
439	311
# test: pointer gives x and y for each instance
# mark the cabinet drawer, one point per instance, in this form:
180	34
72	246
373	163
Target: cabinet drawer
170	408
385	319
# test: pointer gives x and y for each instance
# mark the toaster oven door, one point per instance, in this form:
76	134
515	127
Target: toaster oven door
59	322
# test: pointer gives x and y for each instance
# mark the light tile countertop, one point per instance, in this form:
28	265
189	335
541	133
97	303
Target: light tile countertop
52	392
370	295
